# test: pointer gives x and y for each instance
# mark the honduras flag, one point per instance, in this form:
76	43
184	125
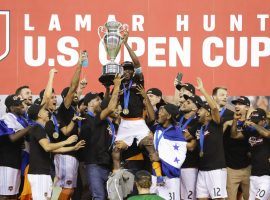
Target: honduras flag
172	148
4	130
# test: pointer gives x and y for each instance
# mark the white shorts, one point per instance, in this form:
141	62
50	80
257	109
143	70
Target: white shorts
10	180
212	184
66	170
188	181
130	129
259	187
41	186
169	191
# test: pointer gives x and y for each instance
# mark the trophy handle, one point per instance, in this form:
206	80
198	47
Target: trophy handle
103	30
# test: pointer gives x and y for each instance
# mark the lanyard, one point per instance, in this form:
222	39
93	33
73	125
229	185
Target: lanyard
203	129
55	122
222	112
90	114
159	138
127	94
113	130
183	127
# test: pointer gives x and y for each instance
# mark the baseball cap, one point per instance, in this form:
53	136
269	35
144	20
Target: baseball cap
64	92
187	86
258	115
33	111
13	100
127	65
205	105
195	99
172	110
90	96
242	100
154	91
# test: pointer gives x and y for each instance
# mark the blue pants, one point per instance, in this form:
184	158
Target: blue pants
97	177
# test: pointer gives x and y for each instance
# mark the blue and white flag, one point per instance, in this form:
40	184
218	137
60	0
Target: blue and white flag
172	148
4	130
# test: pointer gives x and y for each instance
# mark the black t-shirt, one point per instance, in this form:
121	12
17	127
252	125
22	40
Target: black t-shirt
98	136
64	117
236	151
227	115
213	152
10	152
135	105
40	161
192	157
260	152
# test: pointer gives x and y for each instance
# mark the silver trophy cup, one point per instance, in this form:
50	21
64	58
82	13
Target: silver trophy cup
112	40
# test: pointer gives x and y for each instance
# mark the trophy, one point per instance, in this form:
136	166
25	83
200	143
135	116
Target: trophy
112	40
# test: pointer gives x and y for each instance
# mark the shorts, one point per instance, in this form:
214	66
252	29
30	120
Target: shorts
130	129
259	187
10	180
41	186
66	170
188	181
212	184
171	189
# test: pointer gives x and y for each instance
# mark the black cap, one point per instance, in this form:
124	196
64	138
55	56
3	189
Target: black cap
195	99
187	86
80	102
90	96
37	101
206	106
127	65
104	103
33	111
64	92
154	91
258	115
41	94
172	110
242	100
13	100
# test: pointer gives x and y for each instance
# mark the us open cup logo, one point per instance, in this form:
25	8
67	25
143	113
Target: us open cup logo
4	33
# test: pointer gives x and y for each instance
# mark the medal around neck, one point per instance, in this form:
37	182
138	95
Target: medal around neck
55	135
126	111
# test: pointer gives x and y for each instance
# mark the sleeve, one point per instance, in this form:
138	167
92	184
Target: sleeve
38	133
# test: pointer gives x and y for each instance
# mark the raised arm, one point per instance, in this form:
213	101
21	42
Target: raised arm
212	104
234	132
74	83
114	99
133	56
48	91
149	107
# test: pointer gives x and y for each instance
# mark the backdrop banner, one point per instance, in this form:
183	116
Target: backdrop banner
225	42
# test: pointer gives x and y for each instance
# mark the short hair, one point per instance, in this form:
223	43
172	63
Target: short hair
143	179
19	90
215	90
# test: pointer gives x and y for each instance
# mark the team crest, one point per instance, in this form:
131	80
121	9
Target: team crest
4	33
10	188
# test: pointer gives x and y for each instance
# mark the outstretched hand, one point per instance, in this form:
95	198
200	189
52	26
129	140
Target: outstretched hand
117	80
141	91
200	84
